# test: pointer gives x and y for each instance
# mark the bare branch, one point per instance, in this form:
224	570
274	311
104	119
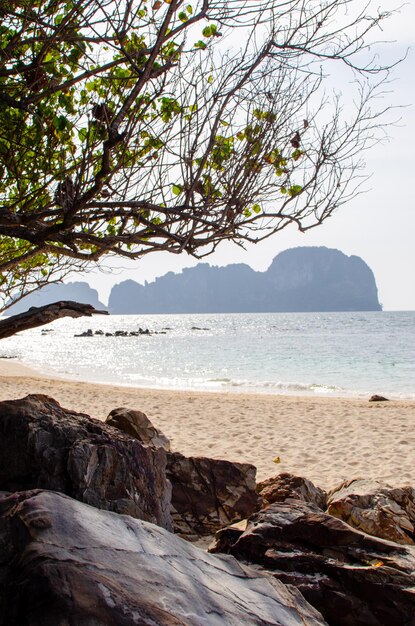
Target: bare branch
128	128
39	316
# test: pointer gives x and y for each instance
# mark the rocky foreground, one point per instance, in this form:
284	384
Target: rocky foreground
87	511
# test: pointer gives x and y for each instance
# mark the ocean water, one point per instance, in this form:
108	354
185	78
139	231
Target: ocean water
291	353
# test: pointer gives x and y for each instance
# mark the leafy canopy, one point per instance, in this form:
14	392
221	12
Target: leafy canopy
134	126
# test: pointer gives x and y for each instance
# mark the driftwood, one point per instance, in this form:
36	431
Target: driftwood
38	316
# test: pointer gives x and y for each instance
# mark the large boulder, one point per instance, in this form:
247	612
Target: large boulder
63	562
43	445
353	579
137	425
376	509
208	494
286	486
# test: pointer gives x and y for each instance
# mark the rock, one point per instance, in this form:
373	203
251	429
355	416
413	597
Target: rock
300	279
376	398
117	333
208	494
43	445
137	425
86	333
353	579
63	562
376	509
283	486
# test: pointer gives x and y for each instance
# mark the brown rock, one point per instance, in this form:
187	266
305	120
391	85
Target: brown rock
208	494
376	509
43	445
63	562
376	398
283	486
137	425
353	579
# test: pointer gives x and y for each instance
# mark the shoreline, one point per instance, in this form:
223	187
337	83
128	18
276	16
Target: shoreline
325	439
12	366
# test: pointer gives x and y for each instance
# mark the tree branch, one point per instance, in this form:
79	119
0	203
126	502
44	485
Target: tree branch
39	316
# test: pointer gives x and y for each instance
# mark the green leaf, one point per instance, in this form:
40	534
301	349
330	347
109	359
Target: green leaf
200	45
210	31
256	208
297	154
258	114
60	122
83	134
294	190
177	189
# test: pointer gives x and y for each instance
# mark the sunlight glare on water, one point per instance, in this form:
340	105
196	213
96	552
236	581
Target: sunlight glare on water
290	353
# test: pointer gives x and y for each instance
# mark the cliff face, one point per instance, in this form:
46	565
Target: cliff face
77	291
321	279
300	279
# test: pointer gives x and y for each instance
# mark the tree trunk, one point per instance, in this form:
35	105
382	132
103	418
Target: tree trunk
38	316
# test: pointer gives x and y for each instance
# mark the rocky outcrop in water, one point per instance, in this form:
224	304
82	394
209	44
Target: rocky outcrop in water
300	279
119	333
77	291
63	562
43	445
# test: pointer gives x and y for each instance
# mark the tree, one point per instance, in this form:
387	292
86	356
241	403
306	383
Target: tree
133	126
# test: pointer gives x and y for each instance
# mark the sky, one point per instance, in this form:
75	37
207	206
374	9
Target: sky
378	226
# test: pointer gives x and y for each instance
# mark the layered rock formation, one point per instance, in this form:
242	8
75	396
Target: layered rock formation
300	279
287	486
63	562
351	578
43	445
376	509
137	425
208	494
124	465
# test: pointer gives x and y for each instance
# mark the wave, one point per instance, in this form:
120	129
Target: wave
241	385
285	387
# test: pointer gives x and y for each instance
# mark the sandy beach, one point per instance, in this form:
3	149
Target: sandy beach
324	439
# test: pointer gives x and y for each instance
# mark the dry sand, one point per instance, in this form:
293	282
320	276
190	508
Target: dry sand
324	439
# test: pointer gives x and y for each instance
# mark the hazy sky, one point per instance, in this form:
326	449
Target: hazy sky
378	226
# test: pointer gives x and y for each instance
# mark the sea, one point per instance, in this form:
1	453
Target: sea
325	354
